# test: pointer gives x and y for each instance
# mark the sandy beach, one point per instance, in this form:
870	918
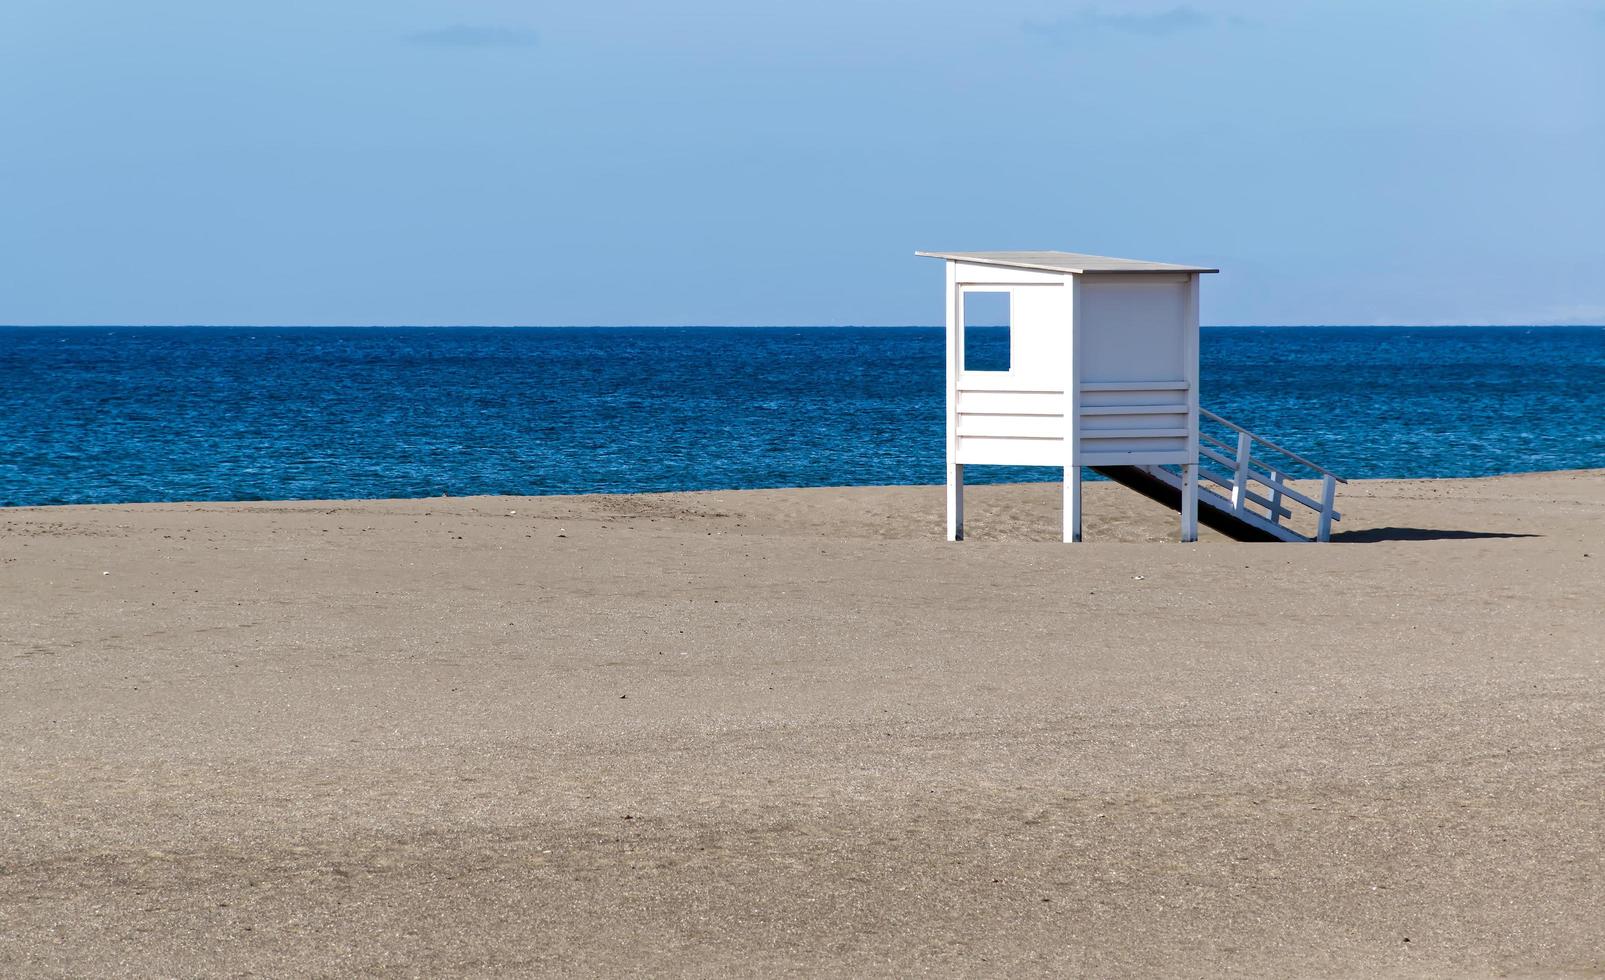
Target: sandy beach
795	733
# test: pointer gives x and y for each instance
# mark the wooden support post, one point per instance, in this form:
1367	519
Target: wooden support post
1072	419
1189	502
955	350
1245	452
1072	503
1328	496
955	501
1189	469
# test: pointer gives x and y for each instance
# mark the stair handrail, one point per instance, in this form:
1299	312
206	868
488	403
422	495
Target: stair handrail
1243	471
1259	438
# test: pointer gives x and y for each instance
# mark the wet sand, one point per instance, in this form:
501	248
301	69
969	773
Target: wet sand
794	733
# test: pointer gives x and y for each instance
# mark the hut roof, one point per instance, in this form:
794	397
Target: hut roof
1063	262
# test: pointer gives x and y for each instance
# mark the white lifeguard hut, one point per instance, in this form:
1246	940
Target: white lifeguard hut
1102	372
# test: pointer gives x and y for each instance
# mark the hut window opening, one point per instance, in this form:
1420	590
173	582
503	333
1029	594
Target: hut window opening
986	330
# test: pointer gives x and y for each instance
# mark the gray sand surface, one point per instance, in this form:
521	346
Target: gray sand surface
794	733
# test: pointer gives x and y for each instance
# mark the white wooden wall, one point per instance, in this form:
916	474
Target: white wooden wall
1113	357
1137	368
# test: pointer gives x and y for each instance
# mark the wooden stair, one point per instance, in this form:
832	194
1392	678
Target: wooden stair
1240	494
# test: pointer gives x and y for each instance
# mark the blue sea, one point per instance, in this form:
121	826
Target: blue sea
101	415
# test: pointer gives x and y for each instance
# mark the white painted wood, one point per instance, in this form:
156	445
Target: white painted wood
1328	492
1189	503
1132	405
1129	347
1164	450
1119	457
1148	278
1117	421
961	297
1216	502
1012	426
1011	403
1087	410
1291	493
1243	474
1071	491
981	274
989	451
1132	330
1227	483
955	500
1061	262
1103	371
1135	385
1246	467
1266	442
1175	432
1040	335
1281	493
1072	503
1245	451
1190	360
1002	381
955	469
1275	503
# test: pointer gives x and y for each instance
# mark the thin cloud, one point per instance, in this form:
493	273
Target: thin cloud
468	36
1566	315
1091	20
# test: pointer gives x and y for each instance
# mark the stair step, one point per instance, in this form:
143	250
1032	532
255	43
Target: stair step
1215	511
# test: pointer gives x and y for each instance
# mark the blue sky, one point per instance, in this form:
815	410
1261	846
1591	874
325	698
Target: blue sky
733	161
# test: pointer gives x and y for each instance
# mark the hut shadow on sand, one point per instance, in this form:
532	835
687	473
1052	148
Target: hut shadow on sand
1372	535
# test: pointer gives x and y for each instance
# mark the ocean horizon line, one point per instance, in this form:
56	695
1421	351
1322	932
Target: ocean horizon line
751	326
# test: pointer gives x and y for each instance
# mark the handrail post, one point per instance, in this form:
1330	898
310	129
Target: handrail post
1245	447
1328	493
1278	478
